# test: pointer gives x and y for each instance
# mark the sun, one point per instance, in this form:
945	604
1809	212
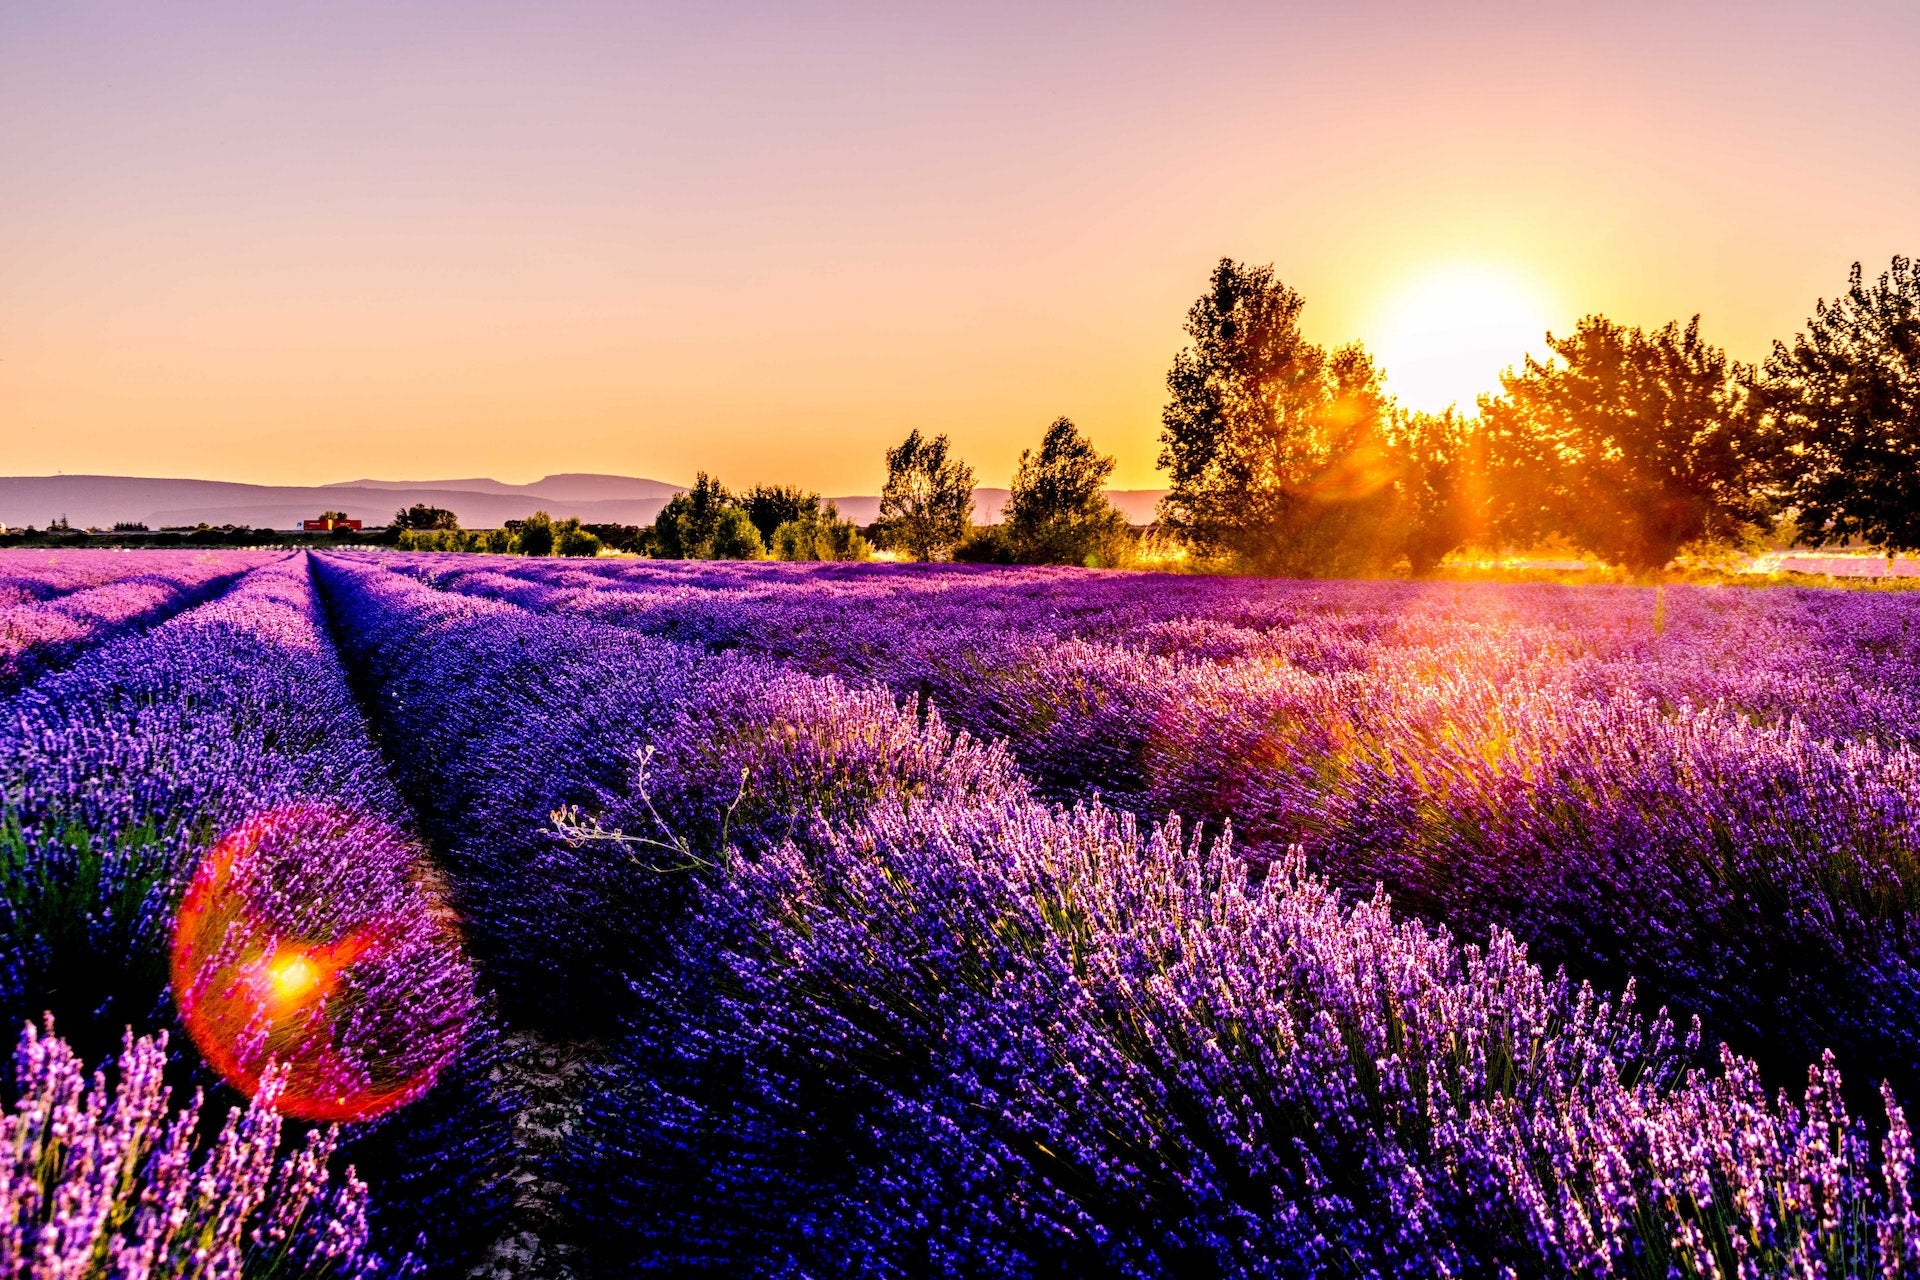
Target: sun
1444	338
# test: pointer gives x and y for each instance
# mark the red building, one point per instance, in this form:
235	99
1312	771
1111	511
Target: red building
328	523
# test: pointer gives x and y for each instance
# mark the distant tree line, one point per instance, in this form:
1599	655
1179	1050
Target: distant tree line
1289	458
424	528
135	534
1628	444
711	522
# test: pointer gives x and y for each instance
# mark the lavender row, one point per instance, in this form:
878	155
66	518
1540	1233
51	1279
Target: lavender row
121	771
37	634
946	1029
497	719
27	576
1629	801
1000	1039
1846	664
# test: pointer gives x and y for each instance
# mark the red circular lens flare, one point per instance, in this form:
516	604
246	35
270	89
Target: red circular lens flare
309	939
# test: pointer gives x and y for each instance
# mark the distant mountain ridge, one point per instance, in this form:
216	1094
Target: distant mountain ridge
566	487
481	503
101	501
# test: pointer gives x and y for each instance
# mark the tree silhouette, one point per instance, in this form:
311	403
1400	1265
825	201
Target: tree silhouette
1057	512
771	505
422	517
1276	447
1630	444
927	501
536	536
705	523
1845	398
819	534
1437	476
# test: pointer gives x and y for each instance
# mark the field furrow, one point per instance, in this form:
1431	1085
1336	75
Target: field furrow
124	769
862	1001
1714	793
41	633
497	719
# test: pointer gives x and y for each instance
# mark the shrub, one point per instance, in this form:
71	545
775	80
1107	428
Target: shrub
821	536
985	544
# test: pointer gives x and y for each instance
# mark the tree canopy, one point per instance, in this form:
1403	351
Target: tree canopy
706	523
420	516
536	536
819	534
1845	399
769	506
1276	447
927	501
1058	512
1438	471
1629	443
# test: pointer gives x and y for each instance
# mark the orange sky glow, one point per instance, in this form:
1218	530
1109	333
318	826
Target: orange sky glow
296	243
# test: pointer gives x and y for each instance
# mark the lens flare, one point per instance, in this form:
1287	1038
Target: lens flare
294	979
311	938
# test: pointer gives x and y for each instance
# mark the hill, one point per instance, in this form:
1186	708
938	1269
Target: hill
100	501
481	503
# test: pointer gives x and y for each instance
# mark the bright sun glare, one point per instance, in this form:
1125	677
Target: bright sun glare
1446	337
294	978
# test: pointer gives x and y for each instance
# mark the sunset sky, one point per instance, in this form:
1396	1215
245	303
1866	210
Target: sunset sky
293	243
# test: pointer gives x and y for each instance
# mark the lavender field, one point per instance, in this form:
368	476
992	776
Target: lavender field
467	915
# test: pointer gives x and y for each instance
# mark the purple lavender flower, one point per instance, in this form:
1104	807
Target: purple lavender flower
1721	806
123	769
895	1015
49	619
105	1178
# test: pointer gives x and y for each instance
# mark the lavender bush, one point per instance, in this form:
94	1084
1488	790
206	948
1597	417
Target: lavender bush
106	1179
508	718
312	943
1008	1039
879	1023
51	624
27	575
1709	790
842	989
122	770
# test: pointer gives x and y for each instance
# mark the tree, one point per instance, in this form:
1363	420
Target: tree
337	516
535	537
420	516
819	535
618	537
684	528
1438	490
927	501
705	523
1845	400
986	544
1276	447
735	538
1630	444
570	539
771	505
1057	512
